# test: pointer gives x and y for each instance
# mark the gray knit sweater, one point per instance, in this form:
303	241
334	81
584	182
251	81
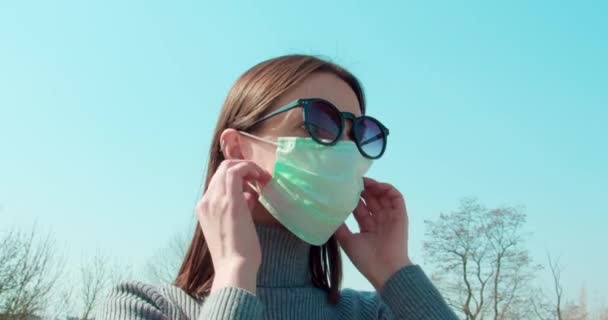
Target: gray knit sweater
284	291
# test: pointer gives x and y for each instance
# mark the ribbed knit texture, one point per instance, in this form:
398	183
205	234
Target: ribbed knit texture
284	291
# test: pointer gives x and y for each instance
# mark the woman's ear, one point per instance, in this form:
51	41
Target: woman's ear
230	144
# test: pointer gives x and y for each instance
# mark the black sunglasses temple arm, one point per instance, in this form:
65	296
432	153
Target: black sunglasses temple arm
381	135
372	139
282	109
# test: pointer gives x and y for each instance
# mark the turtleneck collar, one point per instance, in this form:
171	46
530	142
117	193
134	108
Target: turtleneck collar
285	258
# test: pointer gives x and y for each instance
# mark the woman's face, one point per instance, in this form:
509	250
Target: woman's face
319	85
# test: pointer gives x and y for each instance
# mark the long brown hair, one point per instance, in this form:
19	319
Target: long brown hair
253	95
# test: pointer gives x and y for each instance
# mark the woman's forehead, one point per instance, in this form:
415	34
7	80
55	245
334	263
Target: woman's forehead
325	86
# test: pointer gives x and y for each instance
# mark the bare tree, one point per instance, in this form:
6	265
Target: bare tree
94	276
61	304
481	264
165	263
512	265
9	249
542	309
119	273
455	244
78	296
556	274
577	311
29	271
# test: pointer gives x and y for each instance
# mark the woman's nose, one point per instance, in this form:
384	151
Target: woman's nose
346	133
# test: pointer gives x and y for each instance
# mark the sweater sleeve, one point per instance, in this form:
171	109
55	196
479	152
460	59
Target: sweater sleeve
410	294
231	304
134	301
140	301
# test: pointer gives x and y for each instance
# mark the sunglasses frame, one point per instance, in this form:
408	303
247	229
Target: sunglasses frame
308	102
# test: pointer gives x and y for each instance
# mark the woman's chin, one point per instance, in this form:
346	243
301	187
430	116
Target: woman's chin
261	216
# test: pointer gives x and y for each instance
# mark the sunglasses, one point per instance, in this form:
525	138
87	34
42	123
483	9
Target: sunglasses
325	124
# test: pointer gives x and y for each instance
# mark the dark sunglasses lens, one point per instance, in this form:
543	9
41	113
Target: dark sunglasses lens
323	122
370	137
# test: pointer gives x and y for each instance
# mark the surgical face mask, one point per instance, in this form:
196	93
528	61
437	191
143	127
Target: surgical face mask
314	188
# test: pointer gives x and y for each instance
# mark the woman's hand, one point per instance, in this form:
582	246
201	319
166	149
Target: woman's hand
380	248
224	213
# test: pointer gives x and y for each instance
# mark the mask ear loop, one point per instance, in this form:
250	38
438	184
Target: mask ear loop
254	186
258	138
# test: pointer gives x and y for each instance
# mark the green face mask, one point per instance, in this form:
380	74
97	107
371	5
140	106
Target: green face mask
314	188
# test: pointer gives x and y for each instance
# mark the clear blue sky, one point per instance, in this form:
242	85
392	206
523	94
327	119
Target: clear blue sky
107	109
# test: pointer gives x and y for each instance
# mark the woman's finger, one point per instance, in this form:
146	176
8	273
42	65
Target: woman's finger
396	199
372	194
376	187
385	202
242	171
363	217
382	192
344	235
380	188
371	201
368	182
251	199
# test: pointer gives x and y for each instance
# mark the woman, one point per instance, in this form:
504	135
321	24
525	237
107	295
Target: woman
286	168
